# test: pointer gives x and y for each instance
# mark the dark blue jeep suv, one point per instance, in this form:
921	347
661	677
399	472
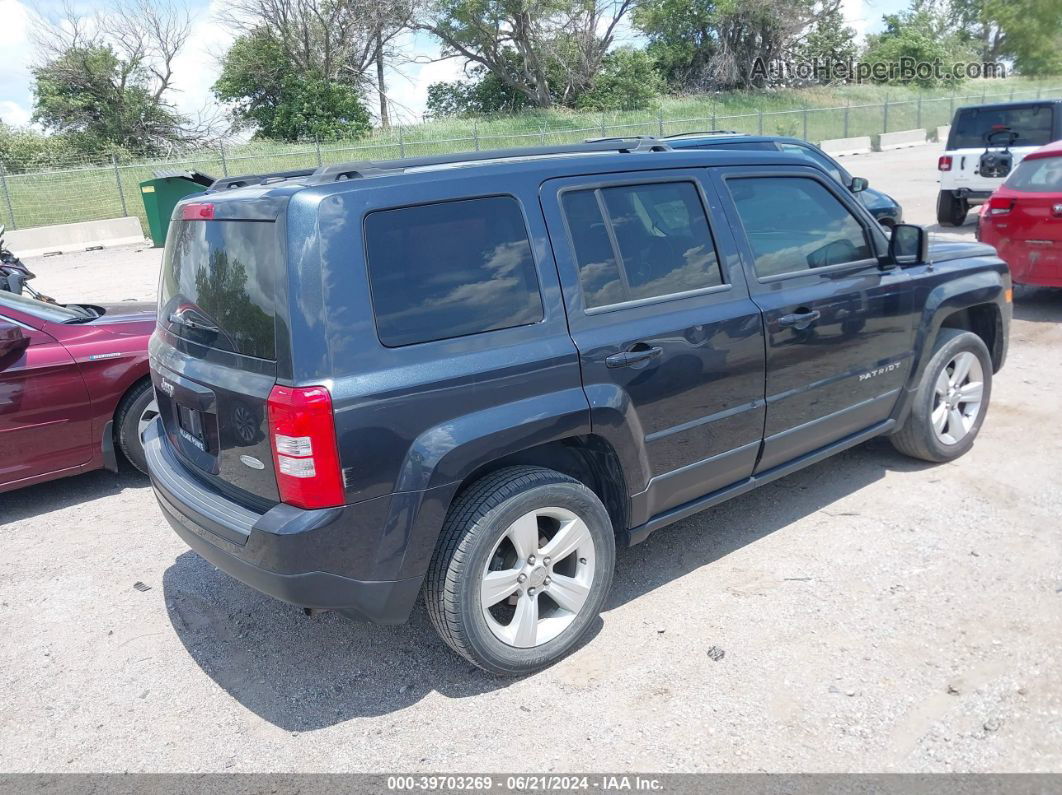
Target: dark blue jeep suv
474	376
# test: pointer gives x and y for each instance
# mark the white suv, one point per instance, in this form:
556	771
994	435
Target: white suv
975	161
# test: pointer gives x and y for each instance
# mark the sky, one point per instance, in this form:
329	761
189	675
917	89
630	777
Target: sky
196	68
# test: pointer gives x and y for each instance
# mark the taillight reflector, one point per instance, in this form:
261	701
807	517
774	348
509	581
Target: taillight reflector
197	211
302	433
944	163
997	205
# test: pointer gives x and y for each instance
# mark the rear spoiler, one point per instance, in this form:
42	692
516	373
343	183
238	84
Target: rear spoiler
225	183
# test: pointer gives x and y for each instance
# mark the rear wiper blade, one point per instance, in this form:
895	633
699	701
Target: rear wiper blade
195	325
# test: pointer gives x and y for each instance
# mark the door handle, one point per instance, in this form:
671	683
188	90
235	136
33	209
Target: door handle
799	320
633	356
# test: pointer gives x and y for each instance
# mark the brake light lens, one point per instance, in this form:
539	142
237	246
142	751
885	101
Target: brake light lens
997	205
944	163
197	211
302	431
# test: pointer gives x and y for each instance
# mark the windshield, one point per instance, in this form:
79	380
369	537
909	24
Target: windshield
1032	123
1040	175
51	313
218	284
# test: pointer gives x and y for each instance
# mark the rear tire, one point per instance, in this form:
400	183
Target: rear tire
136	408
942	425
493	591
951	210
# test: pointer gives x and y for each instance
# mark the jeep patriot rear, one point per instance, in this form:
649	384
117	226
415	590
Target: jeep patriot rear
475	375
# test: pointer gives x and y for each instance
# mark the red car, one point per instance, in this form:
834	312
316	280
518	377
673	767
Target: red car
1023	219
74	387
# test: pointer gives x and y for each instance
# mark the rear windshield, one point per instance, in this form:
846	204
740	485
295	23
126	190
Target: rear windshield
1042	175
1033	124
218	284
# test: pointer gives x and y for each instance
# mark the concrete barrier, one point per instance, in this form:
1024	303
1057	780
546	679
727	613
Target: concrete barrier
74	237
847	146
942	133
899	140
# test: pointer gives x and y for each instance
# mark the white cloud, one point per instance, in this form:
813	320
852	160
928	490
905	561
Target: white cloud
197	66
15	100
855	15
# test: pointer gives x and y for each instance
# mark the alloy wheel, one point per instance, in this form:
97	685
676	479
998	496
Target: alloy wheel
957	397
538	577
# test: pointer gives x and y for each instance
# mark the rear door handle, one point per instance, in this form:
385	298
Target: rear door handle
628	358
799	320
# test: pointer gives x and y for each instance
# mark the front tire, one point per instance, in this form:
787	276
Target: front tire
951	400
951	210
522	569
136	410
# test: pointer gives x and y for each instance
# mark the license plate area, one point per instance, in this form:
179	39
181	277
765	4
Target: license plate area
190	427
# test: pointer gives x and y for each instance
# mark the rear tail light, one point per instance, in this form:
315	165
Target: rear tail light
302	432
944	163
197	211
997	205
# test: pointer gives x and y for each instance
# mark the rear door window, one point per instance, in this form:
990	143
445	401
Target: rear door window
795	223
1032	123
451	269
218	284
640	241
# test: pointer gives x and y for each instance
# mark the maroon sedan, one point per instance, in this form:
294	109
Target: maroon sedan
74	387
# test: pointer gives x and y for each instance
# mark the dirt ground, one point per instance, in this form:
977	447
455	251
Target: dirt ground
876	614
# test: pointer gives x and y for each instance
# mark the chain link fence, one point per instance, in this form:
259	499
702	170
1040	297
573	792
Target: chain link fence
93	192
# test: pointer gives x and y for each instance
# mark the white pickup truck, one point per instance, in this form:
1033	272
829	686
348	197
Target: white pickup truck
984	145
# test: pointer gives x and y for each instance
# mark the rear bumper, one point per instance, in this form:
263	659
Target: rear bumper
294	555
1037	264
972	195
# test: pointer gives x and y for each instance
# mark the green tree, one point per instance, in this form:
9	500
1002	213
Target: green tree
829	40
550	51
26	149
1027	31
628	80
915	37
712	44
269	94
103	82
101	103
483	92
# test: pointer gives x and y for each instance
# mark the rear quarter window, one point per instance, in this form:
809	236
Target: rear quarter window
439	271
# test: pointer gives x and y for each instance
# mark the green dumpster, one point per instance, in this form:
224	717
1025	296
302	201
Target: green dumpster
161	195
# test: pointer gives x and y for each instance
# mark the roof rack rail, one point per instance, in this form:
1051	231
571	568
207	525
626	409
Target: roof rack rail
703	132
258	179
365	168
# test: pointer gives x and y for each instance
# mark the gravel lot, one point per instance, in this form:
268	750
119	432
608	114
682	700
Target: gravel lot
876	614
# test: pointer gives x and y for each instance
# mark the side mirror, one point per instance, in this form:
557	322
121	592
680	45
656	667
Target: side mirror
12	343
858	184
908	245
